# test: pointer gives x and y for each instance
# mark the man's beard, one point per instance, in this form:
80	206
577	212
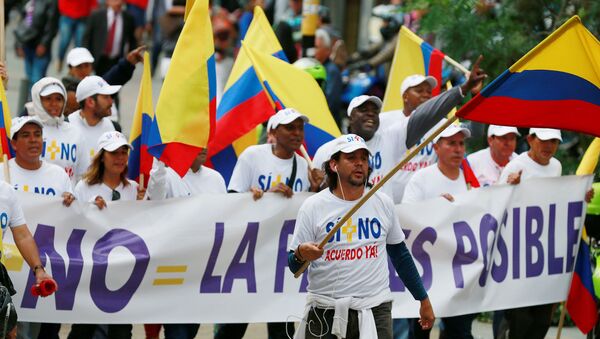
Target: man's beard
357	182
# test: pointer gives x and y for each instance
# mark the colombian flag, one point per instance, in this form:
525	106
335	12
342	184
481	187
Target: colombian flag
5	125
244	104
412	56
140	161
185	112
556	84
581	302
288	86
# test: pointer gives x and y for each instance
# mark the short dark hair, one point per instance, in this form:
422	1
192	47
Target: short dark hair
72	86
82	102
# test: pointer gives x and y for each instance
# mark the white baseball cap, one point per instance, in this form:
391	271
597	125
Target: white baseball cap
284	117
111	141
452	130
361	99
92	85
347	144
52	88
499	131
546	133
18	123
416	80
78	56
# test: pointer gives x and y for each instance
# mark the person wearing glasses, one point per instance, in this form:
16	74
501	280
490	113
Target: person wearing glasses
106	178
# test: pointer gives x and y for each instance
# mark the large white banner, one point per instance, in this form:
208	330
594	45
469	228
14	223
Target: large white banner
223	258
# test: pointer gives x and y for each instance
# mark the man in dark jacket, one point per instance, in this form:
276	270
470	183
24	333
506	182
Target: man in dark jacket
109	35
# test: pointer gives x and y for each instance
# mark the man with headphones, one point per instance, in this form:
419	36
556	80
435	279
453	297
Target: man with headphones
348	290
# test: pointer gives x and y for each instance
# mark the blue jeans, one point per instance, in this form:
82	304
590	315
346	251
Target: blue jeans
35	66
69	28
181	331
401	328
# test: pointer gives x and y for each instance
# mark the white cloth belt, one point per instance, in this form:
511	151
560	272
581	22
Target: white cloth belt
363	306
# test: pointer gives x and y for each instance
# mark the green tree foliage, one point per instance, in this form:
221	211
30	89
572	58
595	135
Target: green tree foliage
504	31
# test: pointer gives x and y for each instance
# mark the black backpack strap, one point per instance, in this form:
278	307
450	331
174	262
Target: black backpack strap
290	182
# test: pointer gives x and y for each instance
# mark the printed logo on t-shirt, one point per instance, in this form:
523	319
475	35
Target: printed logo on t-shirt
375	164
3	220
352	231
265	182
36	190
54	150
427	150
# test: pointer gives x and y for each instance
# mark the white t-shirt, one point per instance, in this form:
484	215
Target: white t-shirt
531	169
64	146
387	147
88	193
390	118
11	214
258	167
90	135
425	158
49	179
354	262
485	168
205	181
430	182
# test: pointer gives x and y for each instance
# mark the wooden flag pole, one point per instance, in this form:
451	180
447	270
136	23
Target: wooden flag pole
6	169
142	180
414	151
456	64
561	322
2	37
306	157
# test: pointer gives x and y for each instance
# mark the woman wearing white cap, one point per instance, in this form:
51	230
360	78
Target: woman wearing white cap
62	141
106	178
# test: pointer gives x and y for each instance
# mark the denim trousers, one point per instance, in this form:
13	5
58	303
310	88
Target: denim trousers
69	29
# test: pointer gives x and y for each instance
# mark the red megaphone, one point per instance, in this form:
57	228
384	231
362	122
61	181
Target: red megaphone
44	288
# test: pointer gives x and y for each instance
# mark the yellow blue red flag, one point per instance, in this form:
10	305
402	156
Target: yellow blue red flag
4	125
185	112
288	86
140	161
556	84
412	56
581	301
244	104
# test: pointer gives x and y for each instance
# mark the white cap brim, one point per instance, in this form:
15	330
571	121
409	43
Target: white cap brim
51	89
361	100
115	146
453	130
415	80
497	130
18	123
546	133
